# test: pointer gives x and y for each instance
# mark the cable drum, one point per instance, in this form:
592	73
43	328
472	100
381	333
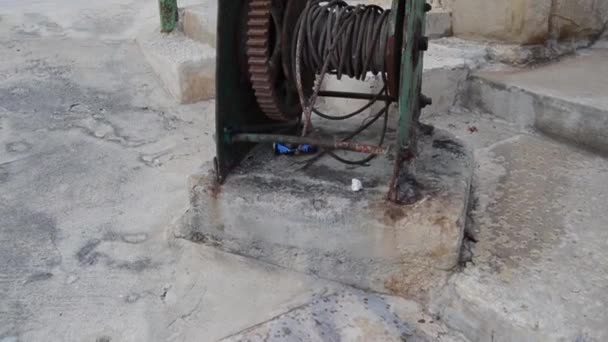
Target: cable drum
346	40
354	39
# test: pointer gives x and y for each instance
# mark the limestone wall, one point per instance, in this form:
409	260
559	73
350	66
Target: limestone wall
528	21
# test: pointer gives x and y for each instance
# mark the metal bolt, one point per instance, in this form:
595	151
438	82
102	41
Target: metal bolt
423	43
425	101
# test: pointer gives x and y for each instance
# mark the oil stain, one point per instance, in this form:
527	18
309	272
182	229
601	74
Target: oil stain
450	146
88	255
39	277
21	146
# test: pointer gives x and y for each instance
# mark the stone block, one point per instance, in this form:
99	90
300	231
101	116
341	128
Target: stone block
199	22
439	23
186	67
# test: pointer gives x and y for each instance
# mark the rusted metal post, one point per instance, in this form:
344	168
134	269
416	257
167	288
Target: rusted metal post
409	96
168	15
323	143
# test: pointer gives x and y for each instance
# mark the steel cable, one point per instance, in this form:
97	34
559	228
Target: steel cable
346	40
353	39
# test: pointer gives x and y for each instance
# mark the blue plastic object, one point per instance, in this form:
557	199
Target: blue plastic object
285	149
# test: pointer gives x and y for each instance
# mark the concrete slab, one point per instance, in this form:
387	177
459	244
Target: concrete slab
541	271
93	160
212	295
566	99
536	239
186	67
310	220
351	315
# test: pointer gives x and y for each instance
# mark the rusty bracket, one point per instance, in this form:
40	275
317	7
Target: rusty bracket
327	144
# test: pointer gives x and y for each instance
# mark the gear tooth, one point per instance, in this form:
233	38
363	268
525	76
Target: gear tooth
258	30
257	42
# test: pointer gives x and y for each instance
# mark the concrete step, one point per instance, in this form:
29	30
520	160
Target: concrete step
537	238
185	67
566	99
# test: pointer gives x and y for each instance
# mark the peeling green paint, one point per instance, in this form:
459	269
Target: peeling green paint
168	15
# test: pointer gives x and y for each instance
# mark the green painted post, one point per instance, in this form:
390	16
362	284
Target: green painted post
410	85
411	72
168	15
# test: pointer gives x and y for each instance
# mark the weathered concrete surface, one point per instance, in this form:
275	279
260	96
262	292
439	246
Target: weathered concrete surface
185	66
566	99
537	239
211	295
94	158
312	222
529	21
351	316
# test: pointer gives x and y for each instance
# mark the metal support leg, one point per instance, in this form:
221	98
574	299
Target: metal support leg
168	15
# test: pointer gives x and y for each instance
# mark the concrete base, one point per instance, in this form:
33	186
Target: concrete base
566	99
311	221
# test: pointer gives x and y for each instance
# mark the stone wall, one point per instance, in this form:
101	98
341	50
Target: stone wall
529	21
578	18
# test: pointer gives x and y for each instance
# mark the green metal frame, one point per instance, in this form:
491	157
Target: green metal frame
235	105
411	73
237	108
168	15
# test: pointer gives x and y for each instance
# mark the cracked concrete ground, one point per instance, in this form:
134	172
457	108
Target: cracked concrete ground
536	252
94	162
